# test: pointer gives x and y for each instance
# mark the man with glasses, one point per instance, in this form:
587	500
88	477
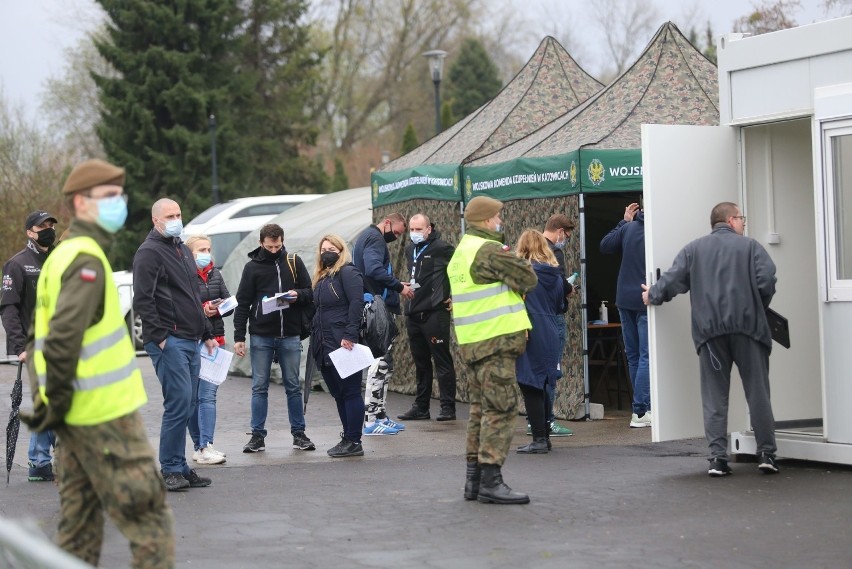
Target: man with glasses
732	280
88	388
174	326
17	302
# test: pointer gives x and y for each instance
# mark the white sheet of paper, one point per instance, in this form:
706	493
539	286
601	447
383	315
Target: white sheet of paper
214	368
228	304
273	303
347	362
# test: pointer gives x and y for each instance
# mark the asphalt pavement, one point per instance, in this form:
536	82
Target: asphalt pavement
605	497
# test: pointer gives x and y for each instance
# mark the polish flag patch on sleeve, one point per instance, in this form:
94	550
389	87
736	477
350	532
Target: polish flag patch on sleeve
88	275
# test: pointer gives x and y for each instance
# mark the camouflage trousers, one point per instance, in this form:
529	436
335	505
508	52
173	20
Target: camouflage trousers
111	468
493	408
376	391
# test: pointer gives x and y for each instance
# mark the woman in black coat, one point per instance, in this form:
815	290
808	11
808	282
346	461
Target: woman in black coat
212	289
339	300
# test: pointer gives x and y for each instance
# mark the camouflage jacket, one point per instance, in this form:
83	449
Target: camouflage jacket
494	263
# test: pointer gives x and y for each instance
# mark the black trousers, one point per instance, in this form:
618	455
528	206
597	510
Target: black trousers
429	338
537	403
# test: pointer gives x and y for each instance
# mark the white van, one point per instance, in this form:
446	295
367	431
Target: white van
259	210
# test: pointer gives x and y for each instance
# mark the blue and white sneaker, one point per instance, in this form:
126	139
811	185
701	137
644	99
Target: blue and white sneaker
379	428
393	424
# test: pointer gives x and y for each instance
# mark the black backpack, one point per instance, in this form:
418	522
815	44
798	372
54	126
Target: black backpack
309	309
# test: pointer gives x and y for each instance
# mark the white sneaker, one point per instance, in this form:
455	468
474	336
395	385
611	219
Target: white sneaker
196	455
214	451
208	457
638	422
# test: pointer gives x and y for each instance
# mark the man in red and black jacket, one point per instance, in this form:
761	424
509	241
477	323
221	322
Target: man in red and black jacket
274	330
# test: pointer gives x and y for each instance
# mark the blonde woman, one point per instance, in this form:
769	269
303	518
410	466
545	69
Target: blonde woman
537	368
339	300
212	290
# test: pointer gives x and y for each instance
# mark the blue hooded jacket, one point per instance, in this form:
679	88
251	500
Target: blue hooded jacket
628	238
539	364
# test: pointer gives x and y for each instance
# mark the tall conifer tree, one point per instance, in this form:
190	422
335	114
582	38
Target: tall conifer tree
473	79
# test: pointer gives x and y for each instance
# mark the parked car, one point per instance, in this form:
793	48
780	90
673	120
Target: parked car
124	284
259	210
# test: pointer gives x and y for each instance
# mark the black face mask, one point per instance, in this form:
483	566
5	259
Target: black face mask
46	237
389	236
270	256
329	258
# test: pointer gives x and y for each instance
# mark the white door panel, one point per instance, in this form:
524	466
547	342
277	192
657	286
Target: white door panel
686	171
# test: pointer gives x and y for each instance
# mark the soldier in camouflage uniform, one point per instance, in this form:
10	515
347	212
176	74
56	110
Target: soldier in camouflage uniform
88	388
490	321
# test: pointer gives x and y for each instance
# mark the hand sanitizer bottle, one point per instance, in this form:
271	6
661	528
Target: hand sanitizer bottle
604	312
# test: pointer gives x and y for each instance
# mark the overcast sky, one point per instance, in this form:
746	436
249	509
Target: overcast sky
35	33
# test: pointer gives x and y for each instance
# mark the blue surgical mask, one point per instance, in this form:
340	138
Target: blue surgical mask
203	259
416	237
560	244
112	213
173	228
498	228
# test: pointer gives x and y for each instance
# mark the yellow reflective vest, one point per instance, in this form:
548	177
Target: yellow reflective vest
108	384
481	312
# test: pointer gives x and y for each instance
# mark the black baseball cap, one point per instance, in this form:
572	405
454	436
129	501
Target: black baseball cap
37	218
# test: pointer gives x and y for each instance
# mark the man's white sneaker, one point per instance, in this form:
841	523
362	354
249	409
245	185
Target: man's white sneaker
196	455
638	422
214	451
208	457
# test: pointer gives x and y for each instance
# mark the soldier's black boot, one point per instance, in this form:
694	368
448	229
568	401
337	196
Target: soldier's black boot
538	446
471	483
493	490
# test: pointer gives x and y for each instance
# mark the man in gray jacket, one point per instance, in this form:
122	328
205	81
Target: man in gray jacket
731	281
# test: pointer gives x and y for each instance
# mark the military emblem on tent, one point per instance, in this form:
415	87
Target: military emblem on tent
596	172
375	190
468	188
456	182
572	172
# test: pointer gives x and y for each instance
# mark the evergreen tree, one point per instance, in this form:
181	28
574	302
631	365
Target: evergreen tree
339	181
473	79
409	139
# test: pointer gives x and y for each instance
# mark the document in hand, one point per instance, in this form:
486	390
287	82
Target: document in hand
227	305
347	362
273	303
779	327
214	368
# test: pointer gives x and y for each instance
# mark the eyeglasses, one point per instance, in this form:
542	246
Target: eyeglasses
739	217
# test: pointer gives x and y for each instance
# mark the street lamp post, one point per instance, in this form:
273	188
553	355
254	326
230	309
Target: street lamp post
212	123
436	66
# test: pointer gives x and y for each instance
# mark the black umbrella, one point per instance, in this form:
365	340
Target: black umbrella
14	423
310	364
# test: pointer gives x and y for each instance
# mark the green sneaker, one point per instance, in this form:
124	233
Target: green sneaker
557	430
529	430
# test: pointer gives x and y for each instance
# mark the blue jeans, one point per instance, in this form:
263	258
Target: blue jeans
634	330
177	367
202	424
40	443
289	351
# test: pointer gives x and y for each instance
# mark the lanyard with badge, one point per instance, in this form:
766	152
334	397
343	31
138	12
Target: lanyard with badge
415	255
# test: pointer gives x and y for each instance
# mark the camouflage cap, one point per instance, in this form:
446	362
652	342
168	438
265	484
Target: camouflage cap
93	173
481	208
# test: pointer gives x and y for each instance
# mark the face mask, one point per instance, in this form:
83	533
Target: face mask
329	258
173	228
112	213
416	237
203	259
498	228
561	244
389	236
46	237
270	256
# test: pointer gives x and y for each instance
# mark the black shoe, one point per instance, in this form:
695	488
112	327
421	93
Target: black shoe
471	482
766	464
40	473
196	481
492	489
255	444
175	481
447	414
719	467
302	442
415	414
346	448
538	446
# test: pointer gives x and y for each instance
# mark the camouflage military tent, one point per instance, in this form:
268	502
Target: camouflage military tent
588	152
427	178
